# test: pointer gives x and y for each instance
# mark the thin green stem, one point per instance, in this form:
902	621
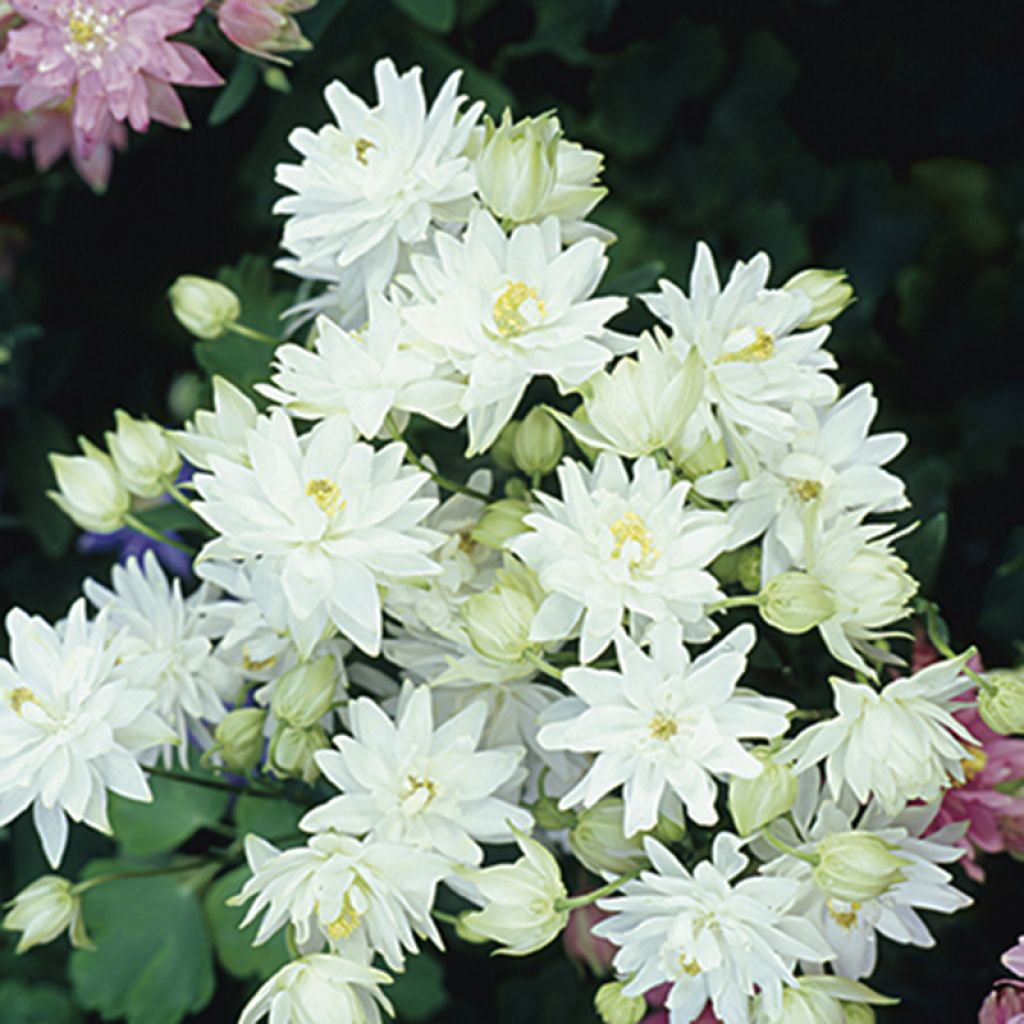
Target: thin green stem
140	527
742	601
442	481
194	864
175	492
947	652
228	787
597	894
444	918
784	847
538	662
251	332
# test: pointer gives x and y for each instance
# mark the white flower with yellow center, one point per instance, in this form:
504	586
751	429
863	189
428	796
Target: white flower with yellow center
71	726
756	362
665	725
333	519
375	180
357	895
898	744
829	468
612	545
504	309
710	937
405	781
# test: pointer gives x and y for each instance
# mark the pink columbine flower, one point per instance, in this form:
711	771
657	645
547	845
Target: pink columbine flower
110	59
582	945
1005	1004
264	27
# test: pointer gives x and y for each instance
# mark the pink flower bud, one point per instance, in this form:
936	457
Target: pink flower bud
582	945
263	27
1004	1005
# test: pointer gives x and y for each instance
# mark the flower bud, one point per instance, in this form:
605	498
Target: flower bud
795	602
498	622
304	695
615	1008
501	520
239	739
599	842
582	945
516	166
501	450
1002	706
710	455
858	1013
204	307
538	446
669	830
143	454
263	27
755	802
828	290
184	395
748	567
857	866
91	493
42	910
292	750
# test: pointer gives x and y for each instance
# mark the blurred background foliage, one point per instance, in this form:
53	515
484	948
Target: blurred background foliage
881	138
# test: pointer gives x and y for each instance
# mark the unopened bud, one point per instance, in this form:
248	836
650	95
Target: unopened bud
239	739
501	451
859	1013
500	521
613	1007
599	841
466	932
292	749
204	308
795	602
755	802
304	695
263	27
857	866
710	455
669	830
828	290
498	622
91	492
748	567
1002	705
184	395
42	910
143	454
538	446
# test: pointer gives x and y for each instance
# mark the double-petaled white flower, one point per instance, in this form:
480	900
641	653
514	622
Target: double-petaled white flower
709	936
405	781
664	725
612	545
71	726
502	309
898	744
376	180
333	518
222	431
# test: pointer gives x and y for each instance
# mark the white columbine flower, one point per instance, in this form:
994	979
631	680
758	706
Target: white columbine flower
403	781
755	360
224	431
333	518
70	725
168	647
711	938
612	545
664	723
376	179
317	988
898	744
359	895
829	468
42	910
503	309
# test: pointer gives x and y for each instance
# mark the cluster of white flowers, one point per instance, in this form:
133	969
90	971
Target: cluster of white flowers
505	665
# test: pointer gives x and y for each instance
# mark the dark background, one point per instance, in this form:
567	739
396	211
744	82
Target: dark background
882	138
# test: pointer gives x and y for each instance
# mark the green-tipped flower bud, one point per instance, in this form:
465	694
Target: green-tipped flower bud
42	910
857	866
755	802
292	750
498	621
204	308
501	520
239	739
795	602
143	454
1002	706
91	492
707	457
304	695
501	450
599	842
748	567
613	1007
828	290
184	395
669	830
538	445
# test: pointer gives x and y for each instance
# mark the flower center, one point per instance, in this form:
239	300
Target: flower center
632	537
363	146
661	727
327	495
345	923
510	317
88	29
419	792
253	665
760	349
688	966
844	918
974	764
21	695
805	490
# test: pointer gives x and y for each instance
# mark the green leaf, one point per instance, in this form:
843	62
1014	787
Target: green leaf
433	15
271	819
172	517
152	963
419	992
178	810
238	89
252	280
234	947
924	549
36	1004
242	361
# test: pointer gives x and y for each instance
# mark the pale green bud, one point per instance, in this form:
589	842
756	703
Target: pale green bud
292	749
669	830
91	491
204	308
828	290
517	489
857	866
599	842
538	446
726	567
184	395
859	1013
516	165
755	802
795	602
42	910
498	623
1002	705
613	1007
710	455
500	521
502	449
239	739
748	567
304	695
144	455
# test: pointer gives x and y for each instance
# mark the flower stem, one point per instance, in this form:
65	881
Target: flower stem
444	918
176	493
165	773
140	527
538	662
442	481
947	652
742	601
597	894
784	847
251	332
116	876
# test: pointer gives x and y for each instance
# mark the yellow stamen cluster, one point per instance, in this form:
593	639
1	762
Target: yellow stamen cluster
844	918
631	527
413	784
363	146
661	727
974	764
252	665
760	349
345	923
327	495
508	313
691	967
20	695
805	490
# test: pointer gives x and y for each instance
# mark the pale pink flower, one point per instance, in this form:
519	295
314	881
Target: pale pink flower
264	27
1004	1005
582	945
1013	958
110	58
